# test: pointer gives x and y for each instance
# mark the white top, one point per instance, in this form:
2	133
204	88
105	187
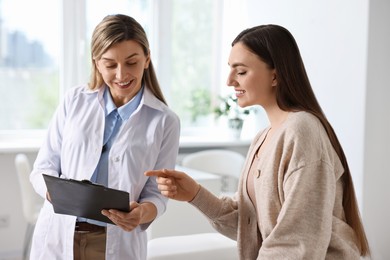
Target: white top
148	140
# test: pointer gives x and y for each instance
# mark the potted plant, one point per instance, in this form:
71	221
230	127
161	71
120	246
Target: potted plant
199	104
233	112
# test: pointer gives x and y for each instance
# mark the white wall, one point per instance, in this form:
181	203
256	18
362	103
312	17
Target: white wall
376	210
345	47
332	37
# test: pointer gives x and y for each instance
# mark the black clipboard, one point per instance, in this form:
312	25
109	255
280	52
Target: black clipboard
84	198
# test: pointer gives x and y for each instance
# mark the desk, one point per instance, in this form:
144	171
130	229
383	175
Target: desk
181	218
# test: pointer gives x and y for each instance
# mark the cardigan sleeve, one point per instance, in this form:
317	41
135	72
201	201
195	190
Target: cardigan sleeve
221	212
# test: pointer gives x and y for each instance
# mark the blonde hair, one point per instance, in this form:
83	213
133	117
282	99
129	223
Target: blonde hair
114	29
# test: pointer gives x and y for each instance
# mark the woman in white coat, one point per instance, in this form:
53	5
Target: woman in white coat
110	131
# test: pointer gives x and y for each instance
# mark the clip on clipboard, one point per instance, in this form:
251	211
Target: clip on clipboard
84	198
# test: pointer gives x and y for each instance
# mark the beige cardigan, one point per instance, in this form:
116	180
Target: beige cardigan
299	213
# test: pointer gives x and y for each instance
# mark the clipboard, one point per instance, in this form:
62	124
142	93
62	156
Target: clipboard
84	198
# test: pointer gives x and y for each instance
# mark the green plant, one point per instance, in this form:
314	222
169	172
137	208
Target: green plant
199	103
229	107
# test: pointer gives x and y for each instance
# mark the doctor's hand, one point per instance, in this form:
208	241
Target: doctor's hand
48	196
139	214
175	185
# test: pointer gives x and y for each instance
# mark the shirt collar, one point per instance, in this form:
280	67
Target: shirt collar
127	109
150	100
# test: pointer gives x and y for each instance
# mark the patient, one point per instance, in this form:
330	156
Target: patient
296	198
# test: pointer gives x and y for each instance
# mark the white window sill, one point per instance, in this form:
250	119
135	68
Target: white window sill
30	141
21	141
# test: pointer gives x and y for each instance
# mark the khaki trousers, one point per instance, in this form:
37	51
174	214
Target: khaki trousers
89	245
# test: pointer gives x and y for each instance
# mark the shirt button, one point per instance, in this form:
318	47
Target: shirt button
117	159
258	173
249	221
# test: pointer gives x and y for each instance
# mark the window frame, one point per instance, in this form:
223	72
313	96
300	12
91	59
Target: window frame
73	23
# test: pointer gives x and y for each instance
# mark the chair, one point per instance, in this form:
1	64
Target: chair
31	201
192	247
226	163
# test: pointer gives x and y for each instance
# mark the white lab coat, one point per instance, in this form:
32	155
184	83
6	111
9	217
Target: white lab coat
148	140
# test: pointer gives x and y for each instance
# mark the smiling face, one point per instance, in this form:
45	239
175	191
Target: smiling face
253	81
122	67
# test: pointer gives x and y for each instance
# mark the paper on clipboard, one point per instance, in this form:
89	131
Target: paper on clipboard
84	198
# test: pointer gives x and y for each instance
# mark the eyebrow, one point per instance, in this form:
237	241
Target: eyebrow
128	57
234	65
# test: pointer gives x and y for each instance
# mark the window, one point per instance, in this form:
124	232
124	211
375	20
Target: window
184	36
42	56
29	69
194	34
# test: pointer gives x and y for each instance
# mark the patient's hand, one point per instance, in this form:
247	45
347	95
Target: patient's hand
175	185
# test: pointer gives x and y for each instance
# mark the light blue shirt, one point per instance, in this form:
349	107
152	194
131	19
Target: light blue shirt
73	146
114	119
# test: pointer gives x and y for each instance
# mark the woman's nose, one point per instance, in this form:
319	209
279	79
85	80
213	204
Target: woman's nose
231	82
120	73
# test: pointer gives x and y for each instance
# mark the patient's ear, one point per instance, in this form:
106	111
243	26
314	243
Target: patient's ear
274	79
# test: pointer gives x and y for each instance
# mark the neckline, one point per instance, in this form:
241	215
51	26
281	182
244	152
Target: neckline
262	141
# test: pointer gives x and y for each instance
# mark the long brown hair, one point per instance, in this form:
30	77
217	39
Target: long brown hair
277	47
114	29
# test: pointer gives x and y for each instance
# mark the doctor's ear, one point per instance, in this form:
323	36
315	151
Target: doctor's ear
147	62
97	64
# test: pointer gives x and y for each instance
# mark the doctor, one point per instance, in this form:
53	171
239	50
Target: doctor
110	131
